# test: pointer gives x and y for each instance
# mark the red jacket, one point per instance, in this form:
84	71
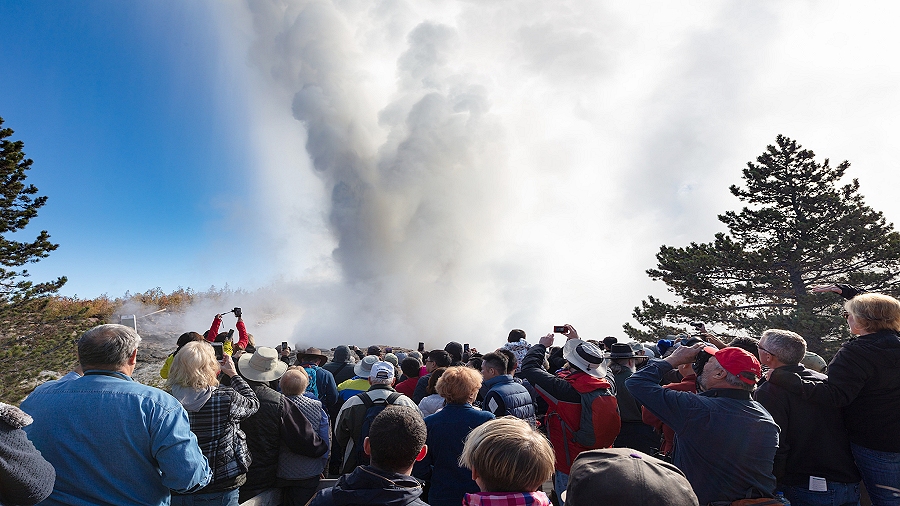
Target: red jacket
571	430
407	386
243	338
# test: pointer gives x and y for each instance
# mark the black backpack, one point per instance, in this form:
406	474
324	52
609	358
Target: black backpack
373	407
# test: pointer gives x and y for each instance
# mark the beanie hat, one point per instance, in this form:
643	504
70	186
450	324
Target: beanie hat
454	349
664	344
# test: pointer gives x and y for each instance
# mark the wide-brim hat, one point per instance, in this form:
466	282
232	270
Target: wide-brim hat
620	351
585	356
364	366
313	353
263	365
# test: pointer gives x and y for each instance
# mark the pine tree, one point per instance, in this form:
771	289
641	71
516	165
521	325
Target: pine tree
800	229
18	205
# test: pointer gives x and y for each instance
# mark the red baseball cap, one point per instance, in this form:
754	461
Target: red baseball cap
737	361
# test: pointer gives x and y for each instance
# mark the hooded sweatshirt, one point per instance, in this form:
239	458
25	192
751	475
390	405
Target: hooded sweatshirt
370	485
340	366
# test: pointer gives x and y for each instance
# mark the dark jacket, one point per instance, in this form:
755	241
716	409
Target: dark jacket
814	441
421	390
864	379
277	421
25	476
506	396
725	441
370	485
325	384
447	429
340	366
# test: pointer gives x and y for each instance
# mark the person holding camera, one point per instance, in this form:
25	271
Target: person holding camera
214	412
212	335
725	441
581	384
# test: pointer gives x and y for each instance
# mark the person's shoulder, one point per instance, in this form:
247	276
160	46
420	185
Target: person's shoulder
404	400
323	497
484	415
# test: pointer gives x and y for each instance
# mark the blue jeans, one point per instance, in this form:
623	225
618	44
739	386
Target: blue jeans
560	482
838	494
225	498
881	474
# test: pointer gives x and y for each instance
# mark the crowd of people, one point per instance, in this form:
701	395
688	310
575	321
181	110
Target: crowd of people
685	421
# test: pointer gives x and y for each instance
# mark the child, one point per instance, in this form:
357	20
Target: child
509	462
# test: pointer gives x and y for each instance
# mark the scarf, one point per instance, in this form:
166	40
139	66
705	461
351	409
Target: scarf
506	499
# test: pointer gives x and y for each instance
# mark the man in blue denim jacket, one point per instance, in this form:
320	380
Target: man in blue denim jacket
112	440
725	441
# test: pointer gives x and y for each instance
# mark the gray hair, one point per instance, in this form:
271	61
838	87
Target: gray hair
107	345
788	347
618	365
382	381
734	380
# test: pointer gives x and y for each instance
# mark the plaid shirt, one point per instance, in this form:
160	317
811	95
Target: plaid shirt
217	431
508	499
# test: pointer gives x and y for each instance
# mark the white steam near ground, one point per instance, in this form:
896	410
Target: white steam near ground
435	171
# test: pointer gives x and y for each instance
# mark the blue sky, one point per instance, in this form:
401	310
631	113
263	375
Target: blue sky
119	105
478	166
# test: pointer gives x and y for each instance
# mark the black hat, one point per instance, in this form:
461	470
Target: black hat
620	350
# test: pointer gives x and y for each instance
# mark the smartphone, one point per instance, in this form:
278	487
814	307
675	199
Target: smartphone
466	348
559	329
284	345
421	347
220	354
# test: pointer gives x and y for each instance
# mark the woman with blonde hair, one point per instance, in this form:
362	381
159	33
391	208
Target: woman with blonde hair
509	461
214	412
864	379
447	431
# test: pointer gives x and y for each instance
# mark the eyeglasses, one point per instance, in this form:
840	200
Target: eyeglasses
765	350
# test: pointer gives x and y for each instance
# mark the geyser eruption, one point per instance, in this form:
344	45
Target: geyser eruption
480	166
415	184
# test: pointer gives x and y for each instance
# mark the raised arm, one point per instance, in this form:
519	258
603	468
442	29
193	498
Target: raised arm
214	329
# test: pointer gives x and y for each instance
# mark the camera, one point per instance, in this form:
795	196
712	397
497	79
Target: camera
559	329
237	312
218	348
700	361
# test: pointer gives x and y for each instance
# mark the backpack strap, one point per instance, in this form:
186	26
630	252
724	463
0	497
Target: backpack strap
391	399
367	401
